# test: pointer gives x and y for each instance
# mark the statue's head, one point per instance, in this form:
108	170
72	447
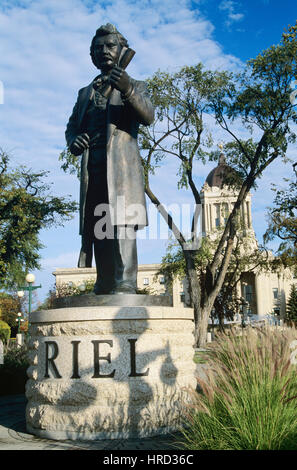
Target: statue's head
106	47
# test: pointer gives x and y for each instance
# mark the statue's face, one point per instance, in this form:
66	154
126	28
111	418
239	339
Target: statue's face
106	50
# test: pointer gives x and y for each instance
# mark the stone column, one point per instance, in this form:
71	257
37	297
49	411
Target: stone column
258	293
209	218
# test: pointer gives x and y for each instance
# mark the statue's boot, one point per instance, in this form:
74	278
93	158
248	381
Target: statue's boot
104	257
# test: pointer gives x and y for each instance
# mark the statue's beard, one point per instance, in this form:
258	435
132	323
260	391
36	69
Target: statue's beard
96	63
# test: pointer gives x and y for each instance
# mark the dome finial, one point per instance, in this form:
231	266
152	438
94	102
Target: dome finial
222	159
221	145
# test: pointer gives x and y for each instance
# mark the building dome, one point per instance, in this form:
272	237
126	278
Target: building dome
217	175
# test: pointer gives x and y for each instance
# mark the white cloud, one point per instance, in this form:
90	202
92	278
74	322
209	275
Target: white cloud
232	17
45	60
63	260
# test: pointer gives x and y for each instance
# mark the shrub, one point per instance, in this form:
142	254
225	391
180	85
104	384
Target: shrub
4	331
24	327
10	305
248	400
13	373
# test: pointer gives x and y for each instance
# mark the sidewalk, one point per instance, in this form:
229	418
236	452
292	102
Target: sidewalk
13	434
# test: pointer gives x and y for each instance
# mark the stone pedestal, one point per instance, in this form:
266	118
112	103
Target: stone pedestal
107	372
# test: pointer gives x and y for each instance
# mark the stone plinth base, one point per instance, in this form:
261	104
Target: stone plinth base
120	300
109	372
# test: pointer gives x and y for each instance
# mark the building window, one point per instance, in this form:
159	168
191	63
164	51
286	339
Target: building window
248	292
217	218
275	293
182	297
162	280
146	281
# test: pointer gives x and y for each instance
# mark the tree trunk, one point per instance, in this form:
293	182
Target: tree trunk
201	321
201	329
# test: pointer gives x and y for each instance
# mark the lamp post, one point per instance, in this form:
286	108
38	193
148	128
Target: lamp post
30	278
21	294
19	320
19	336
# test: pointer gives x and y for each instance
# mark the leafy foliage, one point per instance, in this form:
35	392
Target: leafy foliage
180	99
246	257
10	305
282	223
66	290
13	373
4	331
262	102
26	206
70	162
16	357
291	312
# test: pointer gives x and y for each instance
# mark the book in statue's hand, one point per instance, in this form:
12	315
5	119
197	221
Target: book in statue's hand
124	62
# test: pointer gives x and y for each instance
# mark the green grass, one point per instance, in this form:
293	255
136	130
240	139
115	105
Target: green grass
248	401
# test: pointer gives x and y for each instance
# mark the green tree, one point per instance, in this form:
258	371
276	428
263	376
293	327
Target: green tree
26	207
247	257
4	331
258	98
10	305
182	101
282	222
291	313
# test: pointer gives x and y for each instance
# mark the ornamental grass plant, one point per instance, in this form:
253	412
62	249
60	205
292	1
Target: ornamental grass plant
248	400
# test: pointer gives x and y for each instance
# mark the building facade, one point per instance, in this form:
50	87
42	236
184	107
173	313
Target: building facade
266	292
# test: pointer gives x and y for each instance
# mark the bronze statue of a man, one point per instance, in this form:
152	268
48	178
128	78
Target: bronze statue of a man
104	130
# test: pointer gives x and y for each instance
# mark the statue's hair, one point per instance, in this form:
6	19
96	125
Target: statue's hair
103	31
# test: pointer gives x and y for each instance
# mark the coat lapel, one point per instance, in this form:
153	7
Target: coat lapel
114	100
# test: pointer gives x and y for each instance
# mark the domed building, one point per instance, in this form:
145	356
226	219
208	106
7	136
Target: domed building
219	173
265	292
218	199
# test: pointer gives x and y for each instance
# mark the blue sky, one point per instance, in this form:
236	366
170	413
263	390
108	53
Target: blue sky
244	28
44	60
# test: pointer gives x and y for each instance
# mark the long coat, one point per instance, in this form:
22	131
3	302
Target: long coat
124	170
